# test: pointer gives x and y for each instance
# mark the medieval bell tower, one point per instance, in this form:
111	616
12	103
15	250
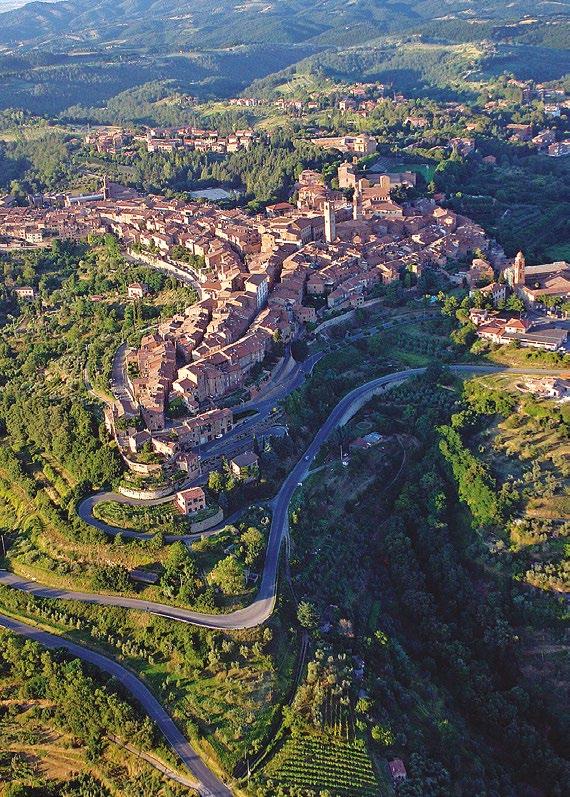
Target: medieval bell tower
330	222
518	269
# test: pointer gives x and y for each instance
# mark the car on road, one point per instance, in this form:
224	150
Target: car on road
307	458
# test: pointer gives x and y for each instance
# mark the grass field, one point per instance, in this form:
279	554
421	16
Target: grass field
513	356
422	168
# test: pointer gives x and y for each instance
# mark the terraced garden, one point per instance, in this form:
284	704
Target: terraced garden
140	518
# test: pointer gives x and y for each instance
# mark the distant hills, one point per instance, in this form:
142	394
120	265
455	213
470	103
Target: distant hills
54	55
157	25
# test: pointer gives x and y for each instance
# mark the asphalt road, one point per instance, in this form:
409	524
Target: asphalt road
255	614
262	607
207	784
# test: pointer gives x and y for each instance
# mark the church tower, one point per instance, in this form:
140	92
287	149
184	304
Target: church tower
518	270
330	222
357	204
106	192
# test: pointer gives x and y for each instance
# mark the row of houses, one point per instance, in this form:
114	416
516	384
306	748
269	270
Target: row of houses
199	140
524	332
261	279
115	140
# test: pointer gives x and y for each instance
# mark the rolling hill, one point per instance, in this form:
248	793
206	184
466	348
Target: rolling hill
60	53
162	24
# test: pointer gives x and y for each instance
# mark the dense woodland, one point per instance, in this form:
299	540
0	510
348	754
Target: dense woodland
50	342
442	622
266	172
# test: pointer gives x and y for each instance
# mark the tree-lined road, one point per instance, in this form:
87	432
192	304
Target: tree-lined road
262	607
207	784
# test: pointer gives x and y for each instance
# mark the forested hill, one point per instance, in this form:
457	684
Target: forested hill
159	24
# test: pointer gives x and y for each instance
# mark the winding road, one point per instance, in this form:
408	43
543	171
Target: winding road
262	607
207	784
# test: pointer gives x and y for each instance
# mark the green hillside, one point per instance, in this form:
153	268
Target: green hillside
419	67
175	23
59	54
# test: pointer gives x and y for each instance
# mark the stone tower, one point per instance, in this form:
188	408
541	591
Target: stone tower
346	175
518	270
330	222
357	204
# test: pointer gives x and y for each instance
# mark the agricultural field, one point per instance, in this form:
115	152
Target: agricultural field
222	689
47	742
162	518
310	762
528	449
416	345
516	357
38	755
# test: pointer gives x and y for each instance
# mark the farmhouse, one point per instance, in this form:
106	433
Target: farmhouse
191	501
245	466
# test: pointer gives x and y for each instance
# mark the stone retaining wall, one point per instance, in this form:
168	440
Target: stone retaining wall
357	404
207	523
143	468
186	275
146	495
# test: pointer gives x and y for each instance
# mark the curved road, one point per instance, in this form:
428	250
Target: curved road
207	784
262	607
85	512
255	614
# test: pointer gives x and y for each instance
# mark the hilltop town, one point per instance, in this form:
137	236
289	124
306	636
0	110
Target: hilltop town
267	280
262	280
284	399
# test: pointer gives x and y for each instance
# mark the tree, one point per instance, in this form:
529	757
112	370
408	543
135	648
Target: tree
382	735
307	615
112	578
450	305
179	577
229	575
363	705
515	303
299	350
254	541
216	482
394	294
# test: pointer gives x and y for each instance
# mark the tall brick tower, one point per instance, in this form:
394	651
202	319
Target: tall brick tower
518	270
330	222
